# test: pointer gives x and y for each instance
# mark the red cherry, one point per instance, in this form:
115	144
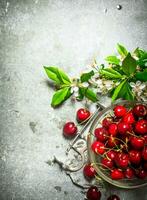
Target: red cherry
145	139
101	134
117	174
129	173
141	126
93	193
122	160
135	157
107	121
137	142
123	127
107	163
140	110
141	173
82	114
129	118
144	153
111	154
119	111
112	142
113	197
98	147
69	129
88	171
112	129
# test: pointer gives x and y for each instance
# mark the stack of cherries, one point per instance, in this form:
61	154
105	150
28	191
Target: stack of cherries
70	129
121	142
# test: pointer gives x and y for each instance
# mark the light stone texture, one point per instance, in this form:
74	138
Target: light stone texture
64	33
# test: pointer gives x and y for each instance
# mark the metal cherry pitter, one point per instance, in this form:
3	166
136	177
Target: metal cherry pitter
77	150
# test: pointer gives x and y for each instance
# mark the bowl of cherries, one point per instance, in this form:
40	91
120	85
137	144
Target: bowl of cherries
117	144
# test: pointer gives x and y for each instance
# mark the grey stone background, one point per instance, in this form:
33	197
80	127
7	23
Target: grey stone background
68	34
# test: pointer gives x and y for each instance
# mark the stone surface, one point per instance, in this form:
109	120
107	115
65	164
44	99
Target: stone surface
68	34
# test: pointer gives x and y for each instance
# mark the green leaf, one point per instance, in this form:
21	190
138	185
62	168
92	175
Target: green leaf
142	76
81	94
122	50
139	52
68	94
126	92
128	95
118	90
52	74
63	77
86	76
129	65
90	95
110	73
113	60
143	60
60	96
57	75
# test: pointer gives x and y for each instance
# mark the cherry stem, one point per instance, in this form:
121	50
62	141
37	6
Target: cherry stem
122	142
133	134
102	165
108	151
75	183
83	122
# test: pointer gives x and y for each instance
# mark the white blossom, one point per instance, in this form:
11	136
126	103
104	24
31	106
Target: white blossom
138	90
100	86
108	84
99	82
95	77
85	84
74	89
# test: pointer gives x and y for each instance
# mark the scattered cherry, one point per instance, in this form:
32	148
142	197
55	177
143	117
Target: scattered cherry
93	193
83	114
113	197
69	129
89	171
140	110
119	111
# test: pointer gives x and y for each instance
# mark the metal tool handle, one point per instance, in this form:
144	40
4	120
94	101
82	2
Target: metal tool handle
82	130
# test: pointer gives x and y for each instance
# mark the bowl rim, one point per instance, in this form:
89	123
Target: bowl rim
91	154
